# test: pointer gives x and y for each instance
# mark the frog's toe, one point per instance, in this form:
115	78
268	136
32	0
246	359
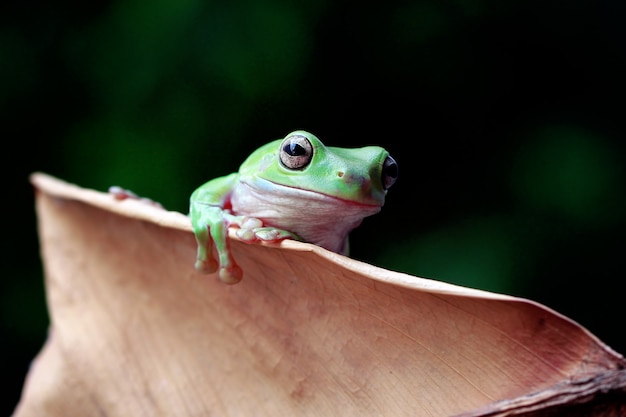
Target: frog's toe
267	234
231	275
271	234
250	223
246	234
206	266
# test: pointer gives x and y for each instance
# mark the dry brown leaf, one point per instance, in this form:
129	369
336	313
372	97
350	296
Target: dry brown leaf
135	331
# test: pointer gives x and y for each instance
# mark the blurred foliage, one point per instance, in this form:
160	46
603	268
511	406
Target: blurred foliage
506	119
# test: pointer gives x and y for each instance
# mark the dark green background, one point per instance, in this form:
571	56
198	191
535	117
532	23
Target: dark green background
506	119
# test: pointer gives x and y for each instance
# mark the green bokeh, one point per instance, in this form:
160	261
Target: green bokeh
569	172
481	253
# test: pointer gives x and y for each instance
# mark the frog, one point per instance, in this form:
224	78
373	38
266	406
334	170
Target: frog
291	188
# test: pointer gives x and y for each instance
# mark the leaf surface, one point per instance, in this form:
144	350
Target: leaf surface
136	331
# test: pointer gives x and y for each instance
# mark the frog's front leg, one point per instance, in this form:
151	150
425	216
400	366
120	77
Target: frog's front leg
210	218
211	230
205	263
210	226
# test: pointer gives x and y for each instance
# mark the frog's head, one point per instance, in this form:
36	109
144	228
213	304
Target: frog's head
301	161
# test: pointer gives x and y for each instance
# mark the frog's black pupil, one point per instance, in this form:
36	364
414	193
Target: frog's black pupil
294	149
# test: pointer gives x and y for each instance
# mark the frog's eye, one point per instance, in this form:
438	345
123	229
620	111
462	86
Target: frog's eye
296	152
389	173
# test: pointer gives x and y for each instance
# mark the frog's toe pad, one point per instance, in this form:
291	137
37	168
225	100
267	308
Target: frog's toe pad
246	234
231	275
206	267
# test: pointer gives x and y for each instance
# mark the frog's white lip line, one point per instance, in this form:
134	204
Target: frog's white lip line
316	193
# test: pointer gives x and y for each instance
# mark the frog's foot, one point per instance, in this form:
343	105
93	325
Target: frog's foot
214	253
265	234
229	273
252	230
120	193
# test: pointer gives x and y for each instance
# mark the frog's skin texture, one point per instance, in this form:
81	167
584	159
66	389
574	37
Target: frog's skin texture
292	188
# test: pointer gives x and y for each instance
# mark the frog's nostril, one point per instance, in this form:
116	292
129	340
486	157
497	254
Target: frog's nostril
340	174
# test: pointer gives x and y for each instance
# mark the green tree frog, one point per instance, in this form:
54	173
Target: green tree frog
291	188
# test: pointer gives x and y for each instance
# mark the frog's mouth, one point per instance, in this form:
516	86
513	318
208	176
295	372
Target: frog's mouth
295	194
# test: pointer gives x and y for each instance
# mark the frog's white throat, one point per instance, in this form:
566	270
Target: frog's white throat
317	218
